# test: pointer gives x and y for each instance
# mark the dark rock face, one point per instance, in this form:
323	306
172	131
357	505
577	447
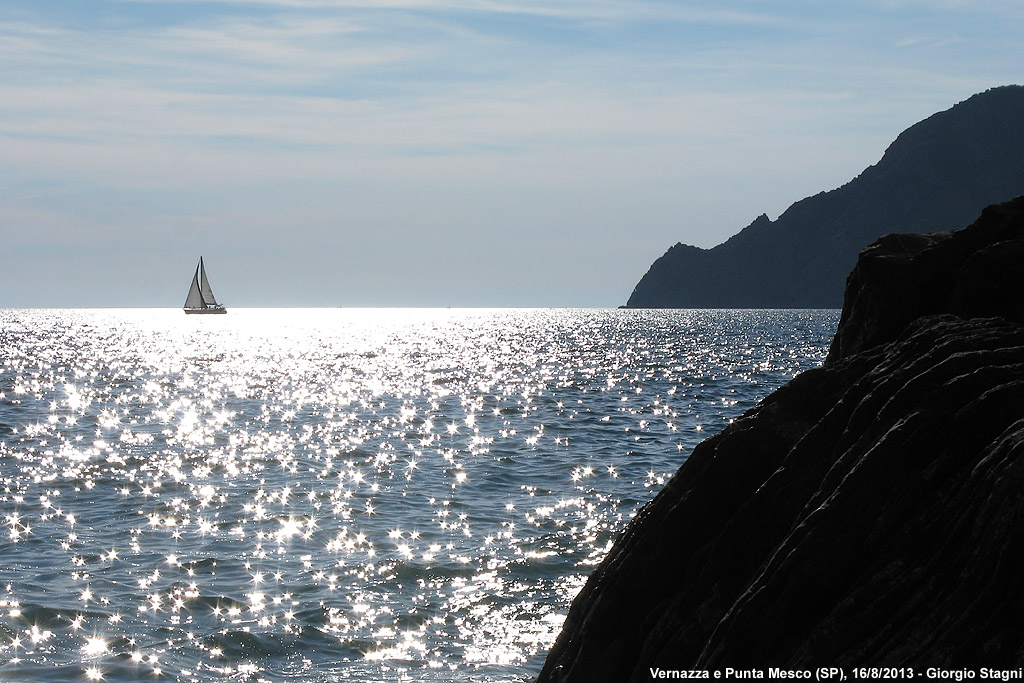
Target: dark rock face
937	175
974	272
868	513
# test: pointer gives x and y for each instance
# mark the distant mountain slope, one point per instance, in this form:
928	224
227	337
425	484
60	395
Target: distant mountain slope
937	175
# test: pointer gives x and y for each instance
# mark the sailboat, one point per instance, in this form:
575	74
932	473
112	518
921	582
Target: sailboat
200	295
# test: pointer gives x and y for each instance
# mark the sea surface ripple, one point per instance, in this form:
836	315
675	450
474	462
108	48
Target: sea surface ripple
339	494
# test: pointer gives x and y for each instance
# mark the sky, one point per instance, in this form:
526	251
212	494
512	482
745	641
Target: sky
442	152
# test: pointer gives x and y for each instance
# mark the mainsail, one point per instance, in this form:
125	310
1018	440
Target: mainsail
195	296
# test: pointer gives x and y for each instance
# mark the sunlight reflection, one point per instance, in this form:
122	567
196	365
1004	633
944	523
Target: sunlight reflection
367	491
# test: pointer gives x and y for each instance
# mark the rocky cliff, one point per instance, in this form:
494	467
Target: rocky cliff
870	512
937	175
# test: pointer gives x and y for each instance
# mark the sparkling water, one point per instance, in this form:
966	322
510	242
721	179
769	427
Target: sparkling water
337	494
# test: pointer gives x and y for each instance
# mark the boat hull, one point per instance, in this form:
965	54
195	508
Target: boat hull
204	311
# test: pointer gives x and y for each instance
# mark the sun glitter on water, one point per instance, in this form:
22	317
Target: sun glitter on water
341	495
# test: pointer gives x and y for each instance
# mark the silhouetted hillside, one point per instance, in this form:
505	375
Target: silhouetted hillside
937	175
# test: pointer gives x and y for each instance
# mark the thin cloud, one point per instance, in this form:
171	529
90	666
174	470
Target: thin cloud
569	9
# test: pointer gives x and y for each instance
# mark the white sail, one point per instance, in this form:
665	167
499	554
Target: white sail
195	296
204	285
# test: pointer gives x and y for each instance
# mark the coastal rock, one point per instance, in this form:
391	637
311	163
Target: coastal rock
937	175
868	513
974	272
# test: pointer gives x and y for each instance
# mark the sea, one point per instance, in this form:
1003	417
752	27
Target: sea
342	494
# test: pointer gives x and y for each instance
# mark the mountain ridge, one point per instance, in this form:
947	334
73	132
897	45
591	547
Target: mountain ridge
936	175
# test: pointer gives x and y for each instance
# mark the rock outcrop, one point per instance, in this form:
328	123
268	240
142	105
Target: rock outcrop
937	175
870	512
